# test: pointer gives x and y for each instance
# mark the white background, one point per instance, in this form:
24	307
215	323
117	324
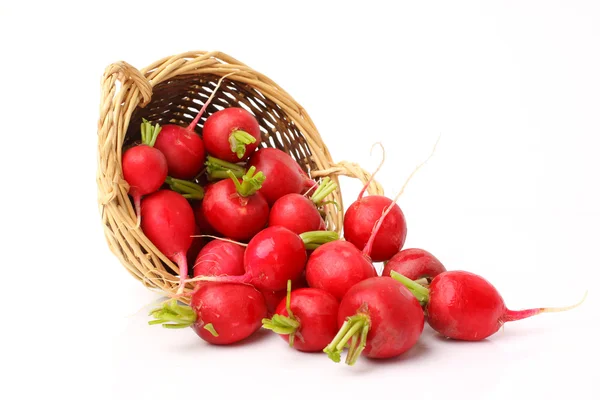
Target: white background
512	193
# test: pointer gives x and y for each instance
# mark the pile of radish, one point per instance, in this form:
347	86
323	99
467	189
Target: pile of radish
245	226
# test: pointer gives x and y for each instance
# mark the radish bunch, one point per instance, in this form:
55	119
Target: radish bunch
247	223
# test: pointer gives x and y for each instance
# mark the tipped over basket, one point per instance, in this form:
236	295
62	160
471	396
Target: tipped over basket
171	90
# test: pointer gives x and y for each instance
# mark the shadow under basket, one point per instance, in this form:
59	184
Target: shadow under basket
172	91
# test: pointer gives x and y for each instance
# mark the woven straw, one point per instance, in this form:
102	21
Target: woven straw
172	90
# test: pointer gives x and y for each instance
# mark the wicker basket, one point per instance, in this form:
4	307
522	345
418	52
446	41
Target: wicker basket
172	90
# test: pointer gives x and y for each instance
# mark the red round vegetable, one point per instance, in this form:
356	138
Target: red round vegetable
168	221
337	266
461	305
237	210
144	166
231	134
220	257
298	213
379	318
306	318
274	297
414	264
360	220
220	313
284	175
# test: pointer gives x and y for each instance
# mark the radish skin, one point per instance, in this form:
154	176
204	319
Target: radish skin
284	175
336	267
414	264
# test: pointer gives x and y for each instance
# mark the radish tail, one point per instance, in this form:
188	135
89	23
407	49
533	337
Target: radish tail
246	278
511	315
362	192
181	261
369	246
193	124
137	203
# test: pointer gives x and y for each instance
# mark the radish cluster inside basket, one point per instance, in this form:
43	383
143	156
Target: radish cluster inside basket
171	91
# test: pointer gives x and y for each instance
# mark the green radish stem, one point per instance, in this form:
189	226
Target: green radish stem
419	291
326	187
188	189
149	133
217	169
281	324
173	316
251	182
238	141
353	333
314	239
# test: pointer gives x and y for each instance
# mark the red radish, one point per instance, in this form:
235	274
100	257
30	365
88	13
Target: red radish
220	257
168	221
284	175
337	266
237	210
274	256
298	213
144	166
362	216
183	147
220	313
273	298
201	221
378	317
461	305
231	134
414	264
375	223
306	318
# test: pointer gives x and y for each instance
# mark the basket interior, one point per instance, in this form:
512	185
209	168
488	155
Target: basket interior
178	100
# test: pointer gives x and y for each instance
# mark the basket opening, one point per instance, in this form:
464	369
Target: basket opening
177	101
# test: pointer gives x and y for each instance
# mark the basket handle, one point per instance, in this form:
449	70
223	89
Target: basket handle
124	72
351	170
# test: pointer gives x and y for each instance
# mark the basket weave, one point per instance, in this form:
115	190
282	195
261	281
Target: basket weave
172	90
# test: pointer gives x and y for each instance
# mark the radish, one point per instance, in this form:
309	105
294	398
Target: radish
168	221
220	313
298	213
360	220
284	175
337	266
414	264
237	210
144	166
464	306
378	317
231	134
218	169
220	257
306	318
375	223
183	147
274	256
